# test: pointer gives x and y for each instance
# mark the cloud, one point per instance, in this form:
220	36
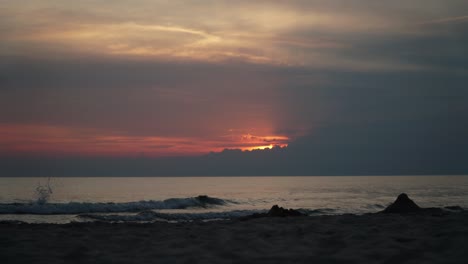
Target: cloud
400	148
23	140
341	82
447	20
312	33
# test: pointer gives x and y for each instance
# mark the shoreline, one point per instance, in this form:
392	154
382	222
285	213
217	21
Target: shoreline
368	238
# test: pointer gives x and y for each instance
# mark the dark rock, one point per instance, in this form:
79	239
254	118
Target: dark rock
206	200
403	204
275	211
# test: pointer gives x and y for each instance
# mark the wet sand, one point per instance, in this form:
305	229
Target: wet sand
373	238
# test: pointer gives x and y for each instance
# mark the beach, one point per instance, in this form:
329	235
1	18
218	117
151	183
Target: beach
368	238
171	220
196	131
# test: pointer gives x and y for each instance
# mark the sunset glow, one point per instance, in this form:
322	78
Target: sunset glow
188	78
59	141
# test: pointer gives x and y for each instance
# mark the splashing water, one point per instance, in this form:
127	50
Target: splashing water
43	192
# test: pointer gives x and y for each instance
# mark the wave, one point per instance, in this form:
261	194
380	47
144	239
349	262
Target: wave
201	201
149	216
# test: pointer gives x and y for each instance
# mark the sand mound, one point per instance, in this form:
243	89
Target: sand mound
403	204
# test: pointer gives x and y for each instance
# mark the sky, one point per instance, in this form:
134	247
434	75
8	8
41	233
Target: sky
233	87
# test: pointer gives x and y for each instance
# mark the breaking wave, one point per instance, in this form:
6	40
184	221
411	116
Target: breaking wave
201	201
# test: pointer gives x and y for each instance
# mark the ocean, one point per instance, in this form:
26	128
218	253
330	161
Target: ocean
147	199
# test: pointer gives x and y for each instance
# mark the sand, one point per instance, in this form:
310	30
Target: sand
375	238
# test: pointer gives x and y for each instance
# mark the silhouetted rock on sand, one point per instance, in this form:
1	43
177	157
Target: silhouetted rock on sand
403	204
275	211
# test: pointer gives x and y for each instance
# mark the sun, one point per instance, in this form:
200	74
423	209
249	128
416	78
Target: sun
259	147
263	147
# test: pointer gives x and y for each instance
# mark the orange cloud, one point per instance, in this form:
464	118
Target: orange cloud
31	139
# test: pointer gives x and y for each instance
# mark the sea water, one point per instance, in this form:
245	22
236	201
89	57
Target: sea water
149	199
